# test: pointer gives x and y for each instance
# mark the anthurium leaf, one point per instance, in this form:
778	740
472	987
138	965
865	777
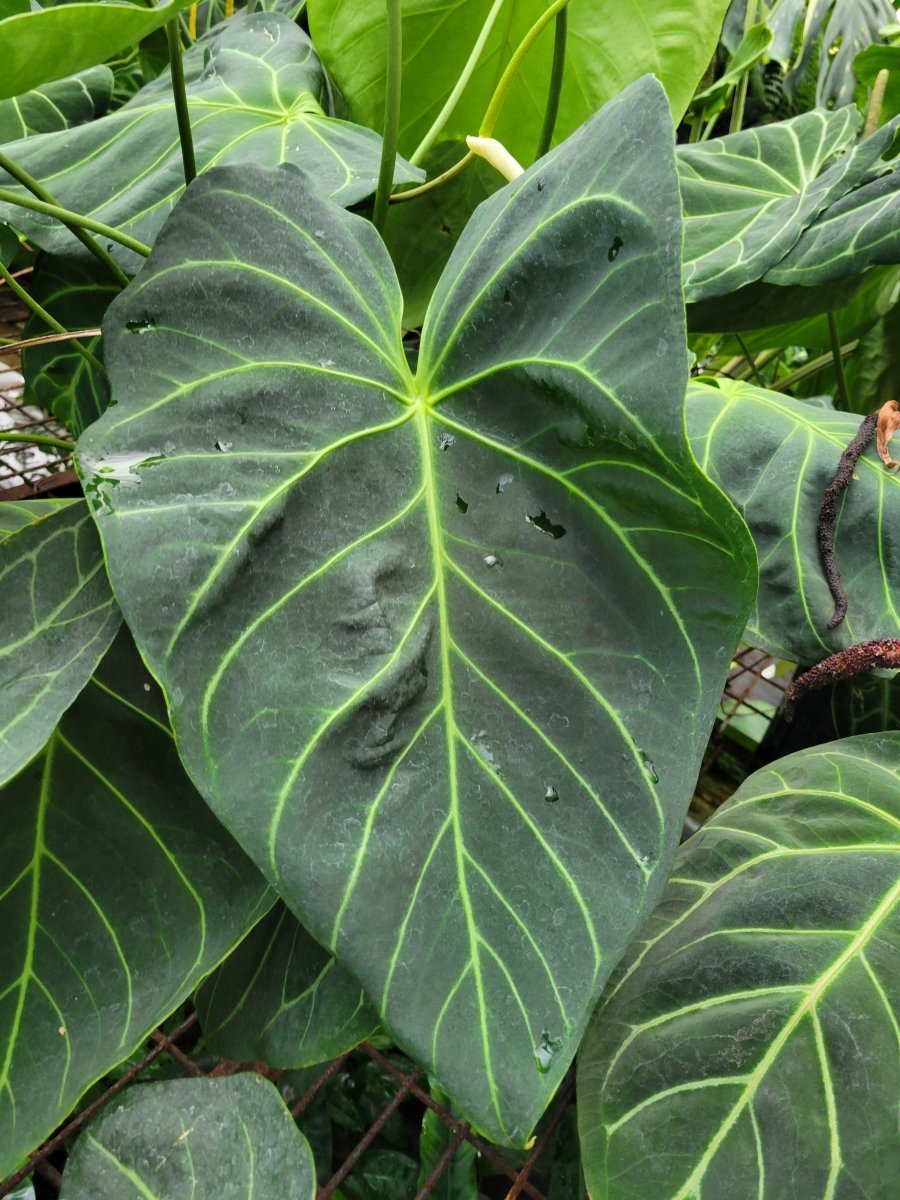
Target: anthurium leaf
77	291
833	33
255	94
775	456
59	618
50	43
856	232
749	196
16	514
445	630
120	892
609	46
751	1036
459	1180
748	53
57	105
229	1138
282	999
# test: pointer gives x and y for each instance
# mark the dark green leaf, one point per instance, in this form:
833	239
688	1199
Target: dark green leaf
775	456
748	53
57	105
228	1138
873	371
751	1036
9	244
833	33
77	291
870	704
458	1181
609	47
59	617
382	1175
50	43
120	892
280	998
749	196
256	94
16	514
447	630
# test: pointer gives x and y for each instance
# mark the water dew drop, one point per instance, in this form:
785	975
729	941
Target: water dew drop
546	1050
491	560
649	768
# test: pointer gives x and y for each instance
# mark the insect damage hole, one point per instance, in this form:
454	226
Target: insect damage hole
545	525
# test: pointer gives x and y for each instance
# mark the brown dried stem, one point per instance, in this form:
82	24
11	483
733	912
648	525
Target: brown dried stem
855	660
828	515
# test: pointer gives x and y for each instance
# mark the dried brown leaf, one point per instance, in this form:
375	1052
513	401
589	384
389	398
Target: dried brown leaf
888	424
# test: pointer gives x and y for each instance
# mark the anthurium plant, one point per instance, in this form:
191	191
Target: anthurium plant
364	686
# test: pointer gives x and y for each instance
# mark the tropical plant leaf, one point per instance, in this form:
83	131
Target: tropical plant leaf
121	891
77	291
833	34
749	51
50	43
856	232
229	1138
609	47
476	588
16	514
867	66
751	1035
57	105
255	91
459	1180
281	999
9	244
59	618
749	196
775	456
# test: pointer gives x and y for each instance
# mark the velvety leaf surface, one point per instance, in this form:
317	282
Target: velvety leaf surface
59	618
858	231
120	891
256	93
51	43
228	1138
281	999
751	1036
77	291
446	630
775	456
57	105
16	514
749	196
609	47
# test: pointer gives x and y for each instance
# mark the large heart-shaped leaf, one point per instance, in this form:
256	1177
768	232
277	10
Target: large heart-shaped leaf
749	196
120	892
255	94
609	46
229	1138
59	618
447	630
57	105
282	999
49	43
77	291
775	456
750	1040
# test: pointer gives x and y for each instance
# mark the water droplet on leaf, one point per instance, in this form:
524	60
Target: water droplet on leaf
649	767
546	1050
492	560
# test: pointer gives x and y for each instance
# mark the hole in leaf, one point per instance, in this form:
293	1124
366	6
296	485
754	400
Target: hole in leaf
445	441
546	1050
540	184
551	795
461	504
503	483
223	446
492	560
447	230
140	326
545	525
507	296
613	253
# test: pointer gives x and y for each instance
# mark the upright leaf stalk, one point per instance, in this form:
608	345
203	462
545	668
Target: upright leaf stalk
181	105
391	113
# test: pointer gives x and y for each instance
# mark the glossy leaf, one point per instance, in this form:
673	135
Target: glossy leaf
120	892
751	1036
609	47
59	618
775	456
57	105
281	999
255	92
859	231
445	630
749	196
229	1138
749	51
50	43
77	291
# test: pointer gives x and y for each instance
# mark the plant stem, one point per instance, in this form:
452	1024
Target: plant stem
36	439
751	362
10	345
810	368
873	116
556	77
740	92
458	88
444	177
501	91
69	218
176	67
391	113
41	312
38	190
838	359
